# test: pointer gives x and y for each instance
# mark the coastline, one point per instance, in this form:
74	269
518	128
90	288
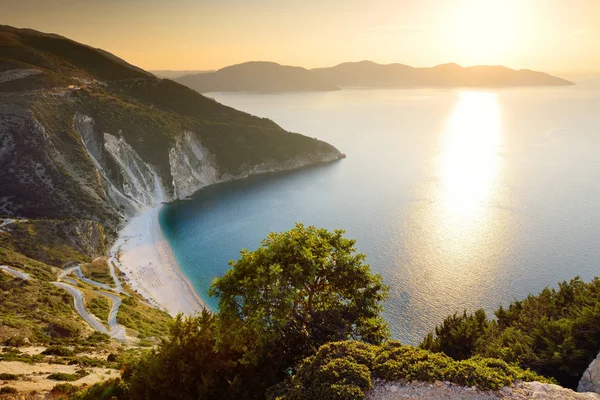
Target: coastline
142	253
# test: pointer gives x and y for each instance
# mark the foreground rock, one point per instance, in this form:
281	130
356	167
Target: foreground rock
443	390
590	381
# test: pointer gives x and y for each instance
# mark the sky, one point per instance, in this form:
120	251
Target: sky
556	36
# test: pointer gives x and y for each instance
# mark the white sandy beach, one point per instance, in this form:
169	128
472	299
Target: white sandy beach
145	257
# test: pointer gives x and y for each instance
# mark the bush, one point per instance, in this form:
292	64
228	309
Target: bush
61	376
8	390
555	333
344	371
8	377
58	351
64	389
113	389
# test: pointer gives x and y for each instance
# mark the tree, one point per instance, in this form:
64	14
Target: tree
458	335
299	290
186	365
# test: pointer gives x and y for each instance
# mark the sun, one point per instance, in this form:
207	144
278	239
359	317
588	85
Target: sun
486	31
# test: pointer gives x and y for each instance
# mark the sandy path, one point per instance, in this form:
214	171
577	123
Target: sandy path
35	376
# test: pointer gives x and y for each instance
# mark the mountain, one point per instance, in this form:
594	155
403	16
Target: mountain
173	74
370	74
257	76
84	134
271	77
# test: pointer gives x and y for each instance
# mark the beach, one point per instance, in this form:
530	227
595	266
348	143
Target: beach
142	253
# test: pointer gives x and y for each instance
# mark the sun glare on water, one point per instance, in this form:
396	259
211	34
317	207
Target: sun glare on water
469	163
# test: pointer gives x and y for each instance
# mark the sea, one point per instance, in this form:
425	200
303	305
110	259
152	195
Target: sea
460	199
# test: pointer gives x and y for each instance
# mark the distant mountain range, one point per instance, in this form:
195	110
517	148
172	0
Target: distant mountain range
273	77
257	76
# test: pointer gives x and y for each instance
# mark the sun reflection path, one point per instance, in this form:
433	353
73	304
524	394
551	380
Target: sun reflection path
456	239
469	163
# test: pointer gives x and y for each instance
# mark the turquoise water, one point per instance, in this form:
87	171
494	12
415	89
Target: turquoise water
459	199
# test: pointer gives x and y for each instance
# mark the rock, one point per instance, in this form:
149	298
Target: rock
590	381
448	391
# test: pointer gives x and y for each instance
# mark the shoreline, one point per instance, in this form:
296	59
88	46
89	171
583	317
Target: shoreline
142	253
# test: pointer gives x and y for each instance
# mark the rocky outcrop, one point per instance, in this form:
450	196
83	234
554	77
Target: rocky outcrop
192	166
590	381
133	184
447	391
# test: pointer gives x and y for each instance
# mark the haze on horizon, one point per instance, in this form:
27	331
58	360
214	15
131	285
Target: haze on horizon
554	36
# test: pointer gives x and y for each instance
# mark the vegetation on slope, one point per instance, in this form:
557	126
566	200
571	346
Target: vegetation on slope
37	311
145	320
345	370
97	305
53	242
301	289
556	333
99	271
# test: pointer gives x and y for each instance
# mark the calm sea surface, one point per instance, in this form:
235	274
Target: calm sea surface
460	199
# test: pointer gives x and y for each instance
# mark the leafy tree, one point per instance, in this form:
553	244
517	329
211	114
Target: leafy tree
457	336
299	290
185	365
556	333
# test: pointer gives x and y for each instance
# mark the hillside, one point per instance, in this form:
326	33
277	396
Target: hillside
257	77
86	142
174	74
370	74
74	118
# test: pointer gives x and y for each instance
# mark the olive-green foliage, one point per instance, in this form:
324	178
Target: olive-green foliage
458	334
344	371
8	377
186	365
58	350
555	333
62	390
299	290
36	310
49	241
98	271
61	376
278	304
112	389
146	320
99	306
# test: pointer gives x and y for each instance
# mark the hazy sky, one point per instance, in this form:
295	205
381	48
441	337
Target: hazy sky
549	35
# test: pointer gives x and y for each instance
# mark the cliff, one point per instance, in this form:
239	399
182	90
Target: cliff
85	135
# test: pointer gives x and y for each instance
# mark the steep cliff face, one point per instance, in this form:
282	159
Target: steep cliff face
192	166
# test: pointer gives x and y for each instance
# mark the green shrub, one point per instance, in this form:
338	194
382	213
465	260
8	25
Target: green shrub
58	351
344	371
8	377
113	389
61	376
555	333
64	389
8	390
